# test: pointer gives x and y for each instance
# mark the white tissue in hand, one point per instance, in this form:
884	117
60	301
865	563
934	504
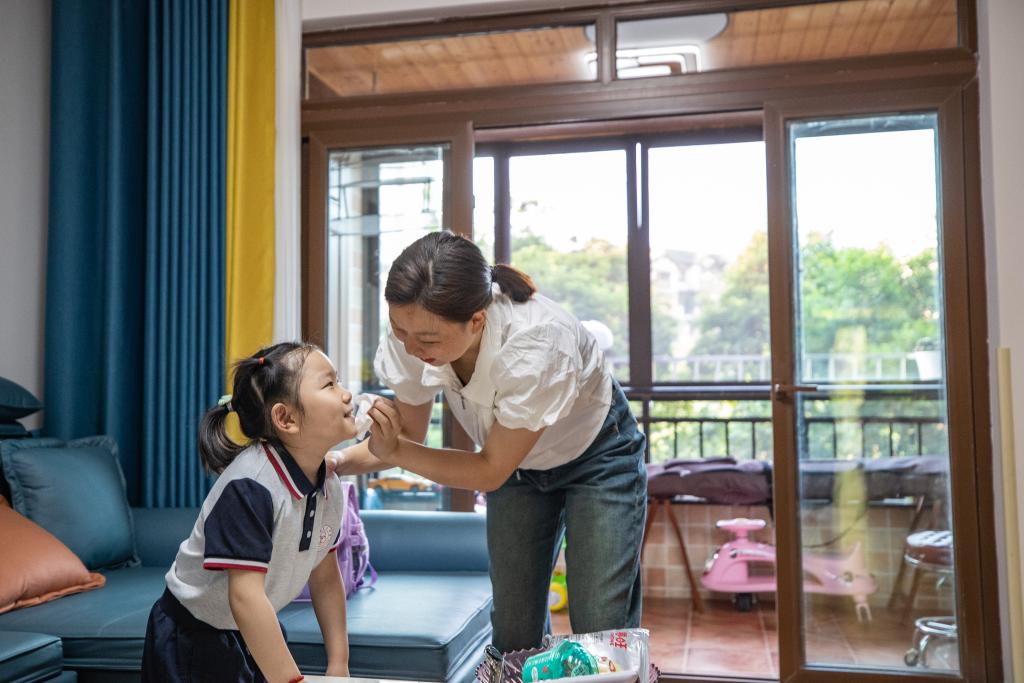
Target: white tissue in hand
361	412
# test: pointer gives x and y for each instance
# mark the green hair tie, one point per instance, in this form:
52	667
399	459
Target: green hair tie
225	401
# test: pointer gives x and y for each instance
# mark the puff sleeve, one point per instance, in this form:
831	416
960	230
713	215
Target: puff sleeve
536	376
401	372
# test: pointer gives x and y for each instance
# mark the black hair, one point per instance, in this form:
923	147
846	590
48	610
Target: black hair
448	275
269	376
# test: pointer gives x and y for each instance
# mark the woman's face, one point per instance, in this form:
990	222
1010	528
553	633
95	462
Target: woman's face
431	338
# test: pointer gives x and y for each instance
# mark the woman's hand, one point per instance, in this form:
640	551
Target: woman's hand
340	669
335	462
387	425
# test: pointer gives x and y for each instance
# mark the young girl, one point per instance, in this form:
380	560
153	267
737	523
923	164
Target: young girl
269	525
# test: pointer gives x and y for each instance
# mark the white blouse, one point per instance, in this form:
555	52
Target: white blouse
538	367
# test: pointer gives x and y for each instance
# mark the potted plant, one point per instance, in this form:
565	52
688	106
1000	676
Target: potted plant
928	359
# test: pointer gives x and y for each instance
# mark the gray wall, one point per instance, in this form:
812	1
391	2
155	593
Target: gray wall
24	158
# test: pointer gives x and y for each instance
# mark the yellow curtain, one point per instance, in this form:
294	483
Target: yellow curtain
249	314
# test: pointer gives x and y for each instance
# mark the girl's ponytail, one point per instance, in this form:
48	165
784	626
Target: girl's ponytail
270	375
514	283
216	448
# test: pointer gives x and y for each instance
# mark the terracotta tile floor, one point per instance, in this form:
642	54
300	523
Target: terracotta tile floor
723	641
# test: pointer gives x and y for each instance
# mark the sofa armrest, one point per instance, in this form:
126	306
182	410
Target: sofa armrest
159	532
410	541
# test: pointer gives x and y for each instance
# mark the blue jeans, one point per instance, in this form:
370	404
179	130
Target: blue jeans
599	503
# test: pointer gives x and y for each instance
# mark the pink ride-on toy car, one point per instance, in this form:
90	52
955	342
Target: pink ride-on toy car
728	570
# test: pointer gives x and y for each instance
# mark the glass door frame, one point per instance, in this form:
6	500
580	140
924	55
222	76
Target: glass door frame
316	148
966	373
457	213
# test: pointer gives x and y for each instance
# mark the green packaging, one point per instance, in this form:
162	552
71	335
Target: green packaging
568	658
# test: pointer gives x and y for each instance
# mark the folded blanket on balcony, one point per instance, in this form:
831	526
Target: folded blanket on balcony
724	481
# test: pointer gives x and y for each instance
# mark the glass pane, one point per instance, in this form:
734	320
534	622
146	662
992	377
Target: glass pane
568	228
538	55
802	33
709	263
872	441
379	201
700	488
483	205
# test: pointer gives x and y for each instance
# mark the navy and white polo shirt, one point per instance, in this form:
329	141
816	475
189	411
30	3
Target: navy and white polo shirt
263	514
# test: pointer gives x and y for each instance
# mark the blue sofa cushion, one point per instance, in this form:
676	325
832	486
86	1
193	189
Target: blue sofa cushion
102	629
422	626
12	429
76	491
404	542
16	401
28	657
419	626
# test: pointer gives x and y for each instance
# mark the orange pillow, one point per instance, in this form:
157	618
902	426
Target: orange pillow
37	567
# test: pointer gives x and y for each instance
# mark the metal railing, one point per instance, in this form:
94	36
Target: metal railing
818	367
894	430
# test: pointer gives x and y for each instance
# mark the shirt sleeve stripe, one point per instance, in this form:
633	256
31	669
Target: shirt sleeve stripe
228	563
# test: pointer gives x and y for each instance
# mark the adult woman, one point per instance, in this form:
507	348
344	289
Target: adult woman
560	451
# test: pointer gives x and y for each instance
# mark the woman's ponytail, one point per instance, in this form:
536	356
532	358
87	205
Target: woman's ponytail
514	283
216	448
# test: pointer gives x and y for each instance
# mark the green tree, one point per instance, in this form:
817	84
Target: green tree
737	321
851	299
591	283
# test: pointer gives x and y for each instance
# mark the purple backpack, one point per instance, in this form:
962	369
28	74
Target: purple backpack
353	548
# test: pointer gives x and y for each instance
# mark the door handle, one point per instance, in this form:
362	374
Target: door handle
781	392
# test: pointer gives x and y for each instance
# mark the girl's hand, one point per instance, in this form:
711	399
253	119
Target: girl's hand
387	425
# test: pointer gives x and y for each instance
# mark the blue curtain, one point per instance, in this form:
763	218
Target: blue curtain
135	271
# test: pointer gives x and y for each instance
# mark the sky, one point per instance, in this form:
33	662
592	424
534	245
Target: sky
864	189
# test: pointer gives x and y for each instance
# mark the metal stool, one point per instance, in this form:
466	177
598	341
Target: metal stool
934	645
926	552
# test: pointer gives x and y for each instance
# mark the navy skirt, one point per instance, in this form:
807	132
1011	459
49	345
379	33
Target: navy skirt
180	647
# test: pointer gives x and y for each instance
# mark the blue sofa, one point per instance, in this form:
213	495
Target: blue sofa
426	619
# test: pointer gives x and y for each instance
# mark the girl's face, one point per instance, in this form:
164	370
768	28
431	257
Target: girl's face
431	338
326	406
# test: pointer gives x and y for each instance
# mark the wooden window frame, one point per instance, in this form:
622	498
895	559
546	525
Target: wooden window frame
939	80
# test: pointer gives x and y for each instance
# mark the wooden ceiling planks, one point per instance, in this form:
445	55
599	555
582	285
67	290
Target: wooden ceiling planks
543	55
801	33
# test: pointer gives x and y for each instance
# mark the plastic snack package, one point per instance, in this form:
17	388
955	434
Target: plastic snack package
628	649
565	659
361	405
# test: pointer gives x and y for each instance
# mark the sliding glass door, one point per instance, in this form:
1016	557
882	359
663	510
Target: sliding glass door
874	514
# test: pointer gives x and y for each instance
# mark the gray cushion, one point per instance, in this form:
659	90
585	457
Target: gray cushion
76	491
28	656
16	401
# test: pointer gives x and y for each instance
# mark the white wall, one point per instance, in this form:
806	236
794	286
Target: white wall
1002	159
24	159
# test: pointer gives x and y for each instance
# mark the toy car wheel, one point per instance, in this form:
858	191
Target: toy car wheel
744	602
558	597
911	657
